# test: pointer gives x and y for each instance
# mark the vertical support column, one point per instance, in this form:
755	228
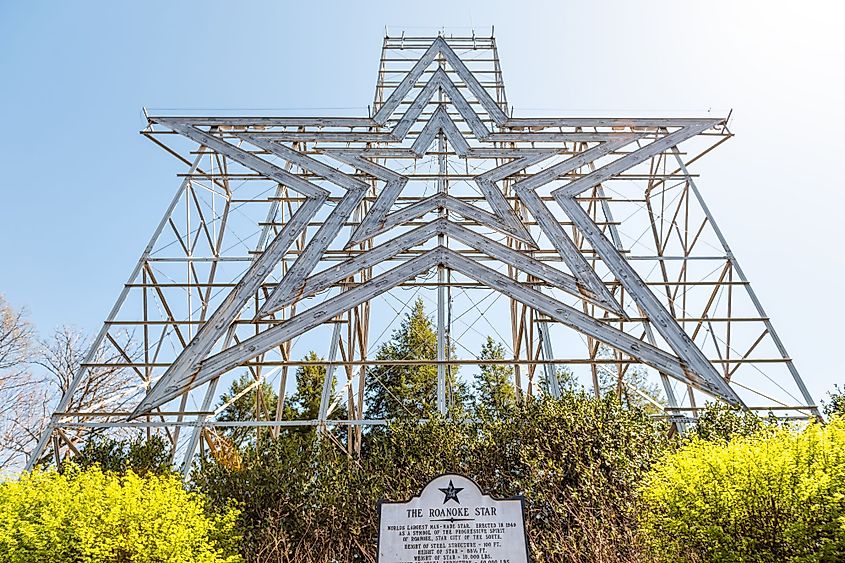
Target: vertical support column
442	297
197	431
441	340
57	452
549	369
517	319
327	381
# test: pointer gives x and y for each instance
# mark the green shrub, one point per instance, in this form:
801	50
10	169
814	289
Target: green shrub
718	421
577	461
140	455
835	405
92	516
775	496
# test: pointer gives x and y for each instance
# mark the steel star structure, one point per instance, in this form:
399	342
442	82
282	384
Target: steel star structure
580	243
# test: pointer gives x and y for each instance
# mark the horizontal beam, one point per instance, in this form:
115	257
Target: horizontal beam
647	122
263	121
456	361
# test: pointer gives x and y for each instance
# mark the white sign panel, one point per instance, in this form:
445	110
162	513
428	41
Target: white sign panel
453	521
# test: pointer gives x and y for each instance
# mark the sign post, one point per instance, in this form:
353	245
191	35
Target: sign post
452	520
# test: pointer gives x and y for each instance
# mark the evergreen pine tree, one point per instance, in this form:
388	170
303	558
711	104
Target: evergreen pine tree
410	391
305	402
493	384
566	380
259	403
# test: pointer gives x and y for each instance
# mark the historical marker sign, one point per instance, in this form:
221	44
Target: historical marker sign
452	520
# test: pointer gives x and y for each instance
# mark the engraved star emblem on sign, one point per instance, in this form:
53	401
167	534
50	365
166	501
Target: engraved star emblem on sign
451	493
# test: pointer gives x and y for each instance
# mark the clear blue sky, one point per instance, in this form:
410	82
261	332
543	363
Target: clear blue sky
82	191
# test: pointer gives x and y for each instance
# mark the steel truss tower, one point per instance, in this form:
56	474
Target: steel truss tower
582	243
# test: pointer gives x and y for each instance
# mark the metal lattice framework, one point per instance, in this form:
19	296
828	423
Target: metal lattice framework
579	242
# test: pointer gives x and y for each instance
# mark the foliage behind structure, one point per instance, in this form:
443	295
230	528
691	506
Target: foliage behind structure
409	390
576	460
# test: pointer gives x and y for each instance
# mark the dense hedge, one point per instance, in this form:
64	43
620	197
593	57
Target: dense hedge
96	517
776	495
576	460
602	483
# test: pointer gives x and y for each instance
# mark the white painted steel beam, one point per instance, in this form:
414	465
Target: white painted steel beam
377	255
262	121
328	378
219	321
247	159
328	231
440	80
480	93
550	225
379	219
627	161
263	342
700	369
574	318
440	121
663	321
420	235
440	201
650	123
394	183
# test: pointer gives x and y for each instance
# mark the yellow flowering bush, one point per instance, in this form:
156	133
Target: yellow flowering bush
92	516
778	495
